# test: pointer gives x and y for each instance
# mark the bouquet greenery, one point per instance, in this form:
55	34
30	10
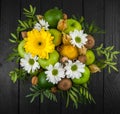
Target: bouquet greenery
59	55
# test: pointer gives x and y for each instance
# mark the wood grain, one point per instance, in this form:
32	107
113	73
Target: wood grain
112	37
8	90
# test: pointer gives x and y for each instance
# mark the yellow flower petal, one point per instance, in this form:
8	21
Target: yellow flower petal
39	43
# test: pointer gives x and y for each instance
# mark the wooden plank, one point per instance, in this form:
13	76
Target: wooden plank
25	106
94	11
71	7
112	81
50	106
8	90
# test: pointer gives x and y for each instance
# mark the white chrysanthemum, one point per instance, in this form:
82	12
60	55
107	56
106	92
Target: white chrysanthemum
78	38
55	73
29	63
42	24
37	26
74	69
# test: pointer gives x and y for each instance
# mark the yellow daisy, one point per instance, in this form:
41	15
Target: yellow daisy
39	43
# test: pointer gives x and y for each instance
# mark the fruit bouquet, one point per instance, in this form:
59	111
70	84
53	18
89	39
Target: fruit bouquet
58	54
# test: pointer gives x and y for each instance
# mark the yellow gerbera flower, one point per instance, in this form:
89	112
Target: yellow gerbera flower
39	43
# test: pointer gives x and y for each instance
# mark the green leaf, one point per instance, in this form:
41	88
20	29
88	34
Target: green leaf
21	23
85	93
67	100
74	100
74	94
13	76
14	36
25	10
109	57
113	67
12	41
41	98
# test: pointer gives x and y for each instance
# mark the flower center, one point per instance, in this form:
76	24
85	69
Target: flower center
54	72
39	43
74	68
78	39
31	61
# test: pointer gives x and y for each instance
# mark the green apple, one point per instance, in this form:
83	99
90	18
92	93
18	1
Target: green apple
72	24
21	49
53	58
52	16
57	36
85	77
42	82
90	57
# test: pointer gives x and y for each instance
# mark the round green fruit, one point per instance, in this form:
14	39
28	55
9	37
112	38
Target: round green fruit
90	57
21	49
53	58
42	82
85	77
72	25
57	36
52	16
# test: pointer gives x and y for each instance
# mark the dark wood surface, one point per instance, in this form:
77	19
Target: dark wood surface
104	87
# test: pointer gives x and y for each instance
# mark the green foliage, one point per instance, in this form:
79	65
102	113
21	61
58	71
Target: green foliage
36	91
109	57
30	19
85	95
17	74
15	38
14	56
91	28
30	13
78	94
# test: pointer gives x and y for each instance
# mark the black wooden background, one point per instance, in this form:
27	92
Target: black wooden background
104	87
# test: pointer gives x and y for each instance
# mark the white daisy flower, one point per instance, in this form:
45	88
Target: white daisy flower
29	63
55	73
37	26
78	38
74	70
42	24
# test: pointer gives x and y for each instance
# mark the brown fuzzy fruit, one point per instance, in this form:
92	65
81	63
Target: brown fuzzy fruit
34	80
82	58
91	42
54	89
65	84
24	34
64	59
